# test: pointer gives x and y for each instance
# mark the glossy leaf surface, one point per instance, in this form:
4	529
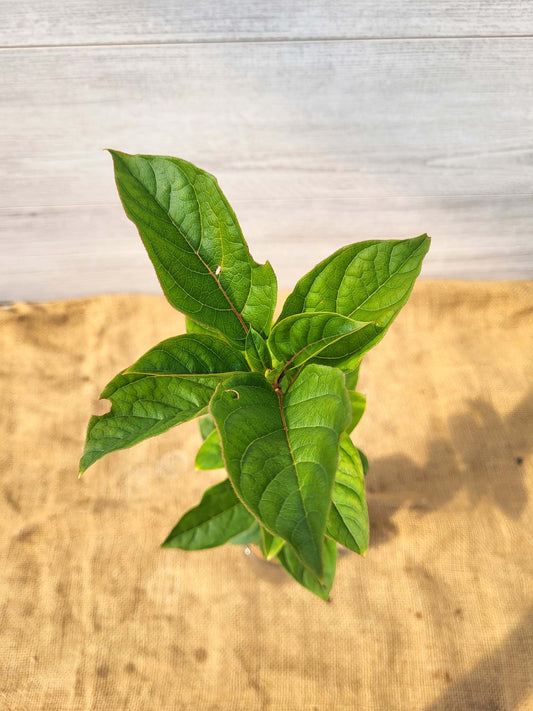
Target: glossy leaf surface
297	339
277	403
181	376
367	281
348	516
195	243
190	354
218	517
281	451
193	327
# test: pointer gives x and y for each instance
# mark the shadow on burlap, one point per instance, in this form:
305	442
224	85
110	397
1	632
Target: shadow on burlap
437	617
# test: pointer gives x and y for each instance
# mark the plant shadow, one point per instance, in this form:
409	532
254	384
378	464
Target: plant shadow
483	455
489	686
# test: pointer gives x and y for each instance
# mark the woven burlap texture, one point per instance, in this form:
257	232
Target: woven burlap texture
94	615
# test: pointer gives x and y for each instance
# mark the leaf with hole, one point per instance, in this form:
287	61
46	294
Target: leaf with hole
172	383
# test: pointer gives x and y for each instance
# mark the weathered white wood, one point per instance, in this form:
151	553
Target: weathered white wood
51	22
274	120
54	253
317	144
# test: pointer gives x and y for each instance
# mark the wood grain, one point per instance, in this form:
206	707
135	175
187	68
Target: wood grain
82	250
273	120
49	22
317	144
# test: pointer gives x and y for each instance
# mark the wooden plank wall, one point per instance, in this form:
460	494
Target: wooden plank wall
326	123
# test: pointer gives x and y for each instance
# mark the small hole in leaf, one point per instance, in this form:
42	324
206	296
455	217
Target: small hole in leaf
218	270
102	407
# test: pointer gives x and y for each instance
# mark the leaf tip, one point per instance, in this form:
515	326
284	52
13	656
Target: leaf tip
82	468
425	239
116	155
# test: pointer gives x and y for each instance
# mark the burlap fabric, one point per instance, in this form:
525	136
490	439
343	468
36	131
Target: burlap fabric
94	615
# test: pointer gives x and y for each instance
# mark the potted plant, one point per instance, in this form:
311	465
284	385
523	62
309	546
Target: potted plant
277	402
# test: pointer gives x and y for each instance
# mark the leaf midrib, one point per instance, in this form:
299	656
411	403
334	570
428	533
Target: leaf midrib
386	280
246	329
213	518
380	286
294	463
161	207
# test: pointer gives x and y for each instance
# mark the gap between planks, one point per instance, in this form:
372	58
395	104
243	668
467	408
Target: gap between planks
266	40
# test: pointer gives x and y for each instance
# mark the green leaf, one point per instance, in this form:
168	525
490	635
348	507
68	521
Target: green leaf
190	354
218	517
144	406
348	516
206	425
301	574
193	327
270	545
358	403
281	451
297	339
179	379
347	354
196	245
209	455
364	461
351	378
257	353
251	535
367	281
